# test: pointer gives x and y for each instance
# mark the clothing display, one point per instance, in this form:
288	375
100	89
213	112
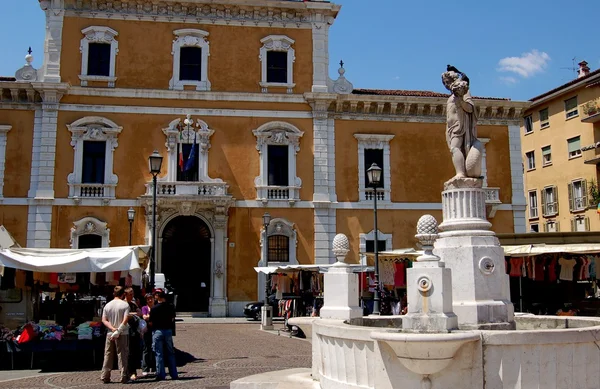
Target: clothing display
566	268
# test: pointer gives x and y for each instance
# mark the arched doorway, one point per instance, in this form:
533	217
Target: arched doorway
186	262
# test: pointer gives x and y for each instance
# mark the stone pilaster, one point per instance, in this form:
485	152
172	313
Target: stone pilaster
53	42
218	301
320	38
519	202
3	135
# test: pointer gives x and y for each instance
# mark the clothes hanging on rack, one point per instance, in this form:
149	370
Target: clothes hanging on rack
566	268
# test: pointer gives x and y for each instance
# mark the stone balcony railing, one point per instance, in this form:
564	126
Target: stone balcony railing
206	189
284	193
591	111
92	191
367	194
492	201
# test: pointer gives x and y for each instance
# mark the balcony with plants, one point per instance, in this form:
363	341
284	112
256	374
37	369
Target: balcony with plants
591	111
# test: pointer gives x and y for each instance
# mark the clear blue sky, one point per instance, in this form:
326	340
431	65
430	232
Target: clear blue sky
515	48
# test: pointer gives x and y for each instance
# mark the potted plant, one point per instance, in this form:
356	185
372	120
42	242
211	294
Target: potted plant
594	193
591	108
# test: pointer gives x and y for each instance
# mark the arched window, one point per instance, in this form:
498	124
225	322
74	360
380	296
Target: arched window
89	232
282	245
277	58
190	59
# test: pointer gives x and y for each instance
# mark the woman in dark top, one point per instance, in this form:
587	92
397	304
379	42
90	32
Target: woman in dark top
148	360
135	350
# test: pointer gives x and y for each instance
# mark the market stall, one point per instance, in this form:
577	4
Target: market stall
68	288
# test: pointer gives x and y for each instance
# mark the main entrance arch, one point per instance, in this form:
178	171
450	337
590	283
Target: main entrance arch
186	262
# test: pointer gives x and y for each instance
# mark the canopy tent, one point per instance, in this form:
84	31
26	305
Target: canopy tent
294	268
74	260
529	250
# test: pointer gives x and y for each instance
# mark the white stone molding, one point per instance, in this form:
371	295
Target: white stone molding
484	142
27	72
280	134
277	43
190	37
373	141
320	53
363	238
89	226
340	86
93	128
4	129
55	15
177	133
98	34
516	172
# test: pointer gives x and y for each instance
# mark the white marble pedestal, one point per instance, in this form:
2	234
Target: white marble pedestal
480	288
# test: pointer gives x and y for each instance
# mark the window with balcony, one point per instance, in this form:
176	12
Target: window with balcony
533	204
94	140
551	226
574	147
99	49
277	144
547	155
550	201
578	199
187	168
283	242
544	120
277	58
374	148
190	52
571	107
530	160
528	123
580	224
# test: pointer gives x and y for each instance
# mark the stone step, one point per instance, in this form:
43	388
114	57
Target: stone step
282	379
192	314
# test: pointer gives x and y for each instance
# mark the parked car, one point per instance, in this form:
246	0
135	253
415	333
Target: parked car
252	310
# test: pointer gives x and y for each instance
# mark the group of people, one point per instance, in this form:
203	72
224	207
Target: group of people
133	344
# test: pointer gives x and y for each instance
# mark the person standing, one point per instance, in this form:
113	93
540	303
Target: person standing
135	352
148	360
114	318
162	322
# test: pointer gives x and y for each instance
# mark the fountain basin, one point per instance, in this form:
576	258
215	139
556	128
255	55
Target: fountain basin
425	354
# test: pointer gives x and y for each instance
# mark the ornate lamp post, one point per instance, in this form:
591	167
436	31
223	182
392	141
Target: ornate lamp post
266	312
130	217
374	176
155	163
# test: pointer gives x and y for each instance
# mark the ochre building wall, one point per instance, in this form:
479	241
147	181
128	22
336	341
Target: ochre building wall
19	143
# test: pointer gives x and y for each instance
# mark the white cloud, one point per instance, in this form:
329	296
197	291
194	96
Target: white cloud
508	80
397	78
527	65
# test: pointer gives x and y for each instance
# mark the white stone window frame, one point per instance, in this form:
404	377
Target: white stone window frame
89	226
190	37
98	34
277	43
374	141
280	226
100	129
4	129
533	208
277	134
362	245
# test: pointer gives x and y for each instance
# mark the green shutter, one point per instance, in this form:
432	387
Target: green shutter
571	104
574	144
571	202
546	150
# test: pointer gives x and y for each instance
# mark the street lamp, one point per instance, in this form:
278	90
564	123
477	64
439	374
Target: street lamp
155	163
266	312
374	176
130	217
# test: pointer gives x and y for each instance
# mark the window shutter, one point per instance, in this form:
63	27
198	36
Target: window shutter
570	189
573	224
587	223
555	199
544	213
545	227
557	227
584	194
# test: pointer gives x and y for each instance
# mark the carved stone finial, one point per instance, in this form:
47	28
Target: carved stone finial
427	233
341	85
27	72
341	247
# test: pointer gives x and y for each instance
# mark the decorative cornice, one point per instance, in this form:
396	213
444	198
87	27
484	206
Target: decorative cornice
261	13
412	109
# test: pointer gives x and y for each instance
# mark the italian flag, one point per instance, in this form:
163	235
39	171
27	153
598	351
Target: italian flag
180	150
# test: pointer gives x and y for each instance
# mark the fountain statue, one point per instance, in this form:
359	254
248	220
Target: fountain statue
460	330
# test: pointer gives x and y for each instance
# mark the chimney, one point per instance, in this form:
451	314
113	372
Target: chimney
584	70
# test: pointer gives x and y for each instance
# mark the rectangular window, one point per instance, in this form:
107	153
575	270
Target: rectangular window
277	66
550	201
571	107
578	199
94	156
533	204
534	228
188	172
574	146
89	241
373	156
546	155
552	226
544	122
528	122
279	248
530	160
370	246
278	165
99	59
580	224
190	64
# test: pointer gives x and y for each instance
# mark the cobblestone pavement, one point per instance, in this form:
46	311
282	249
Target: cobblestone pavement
212	355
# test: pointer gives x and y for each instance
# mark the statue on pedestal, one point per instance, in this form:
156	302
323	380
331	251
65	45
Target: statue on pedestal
461	130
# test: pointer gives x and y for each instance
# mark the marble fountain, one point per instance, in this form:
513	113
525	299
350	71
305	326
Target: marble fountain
460	331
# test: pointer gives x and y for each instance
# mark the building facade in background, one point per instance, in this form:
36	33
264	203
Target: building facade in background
269	131
559	135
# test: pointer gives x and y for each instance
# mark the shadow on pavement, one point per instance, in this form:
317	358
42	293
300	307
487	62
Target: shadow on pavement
182	358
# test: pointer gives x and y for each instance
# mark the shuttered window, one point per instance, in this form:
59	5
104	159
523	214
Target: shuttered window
544	122
550	201
571	107
578	199
574	147
547	155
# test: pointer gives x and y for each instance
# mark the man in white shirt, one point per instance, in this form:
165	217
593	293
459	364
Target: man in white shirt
114	318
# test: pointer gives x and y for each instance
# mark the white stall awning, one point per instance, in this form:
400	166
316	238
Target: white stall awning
295	268
528	250
74	260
